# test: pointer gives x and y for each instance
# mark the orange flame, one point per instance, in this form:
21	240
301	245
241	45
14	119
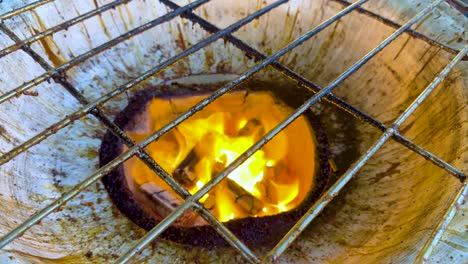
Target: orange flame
273	180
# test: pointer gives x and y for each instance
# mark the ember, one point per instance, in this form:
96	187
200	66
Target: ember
275	179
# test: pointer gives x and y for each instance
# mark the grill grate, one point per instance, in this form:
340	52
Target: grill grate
58	74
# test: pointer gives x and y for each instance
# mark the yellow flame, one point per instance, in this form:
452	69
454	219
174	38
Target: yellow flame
273	180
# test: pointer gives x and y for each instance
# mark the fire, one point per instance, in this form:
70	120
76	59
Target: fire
273	180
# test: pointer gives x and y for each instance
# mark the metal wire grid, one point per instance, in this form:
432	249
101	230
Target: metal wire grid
191	202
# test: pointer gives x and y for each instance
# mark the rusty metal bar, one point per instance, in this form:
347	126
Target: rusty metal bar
411	32
79	59
436	235
23	9
35	218
325	199
429	156
331	98
143	155
460	5
62	26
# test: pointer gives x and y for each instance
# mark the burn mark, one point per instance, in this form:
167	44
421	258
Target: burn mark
180	41
324	48
101	21
224	66
290	26
253	231
57	176
51	48
3	131
392	169
7	137
394	73
209	59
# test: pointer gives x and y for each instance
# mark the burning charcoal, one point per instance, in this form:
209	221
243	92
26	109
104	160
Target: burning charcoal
244	199
166	202
266	189
273	176
277	173
252	128
219	166
269	191
185	172
210	202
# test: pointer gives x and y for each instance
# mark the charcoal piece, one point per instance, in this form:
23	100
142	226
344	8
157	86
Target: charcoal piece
166	202
185	172
249	203
253	127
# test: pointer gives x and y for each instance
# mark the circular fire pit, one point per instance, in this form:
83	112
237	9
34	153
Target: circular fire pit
258	202
68	71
